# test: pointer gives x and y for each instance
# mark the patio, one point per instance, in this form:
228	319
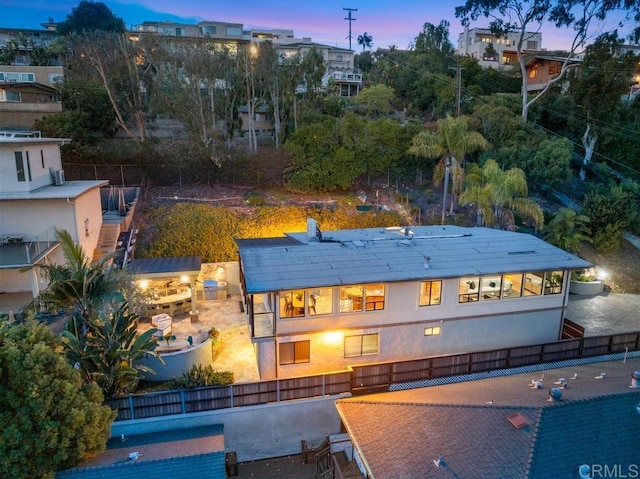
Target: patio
236	352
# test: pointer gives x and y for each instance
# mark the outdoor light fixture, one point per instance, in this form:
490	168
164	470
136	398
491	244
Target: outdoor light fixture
144	283
86	227
601	274
333	337
184	279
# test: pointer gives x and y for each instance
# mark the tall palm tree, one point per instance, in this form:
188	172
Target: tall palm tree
365	40
450	142
499	194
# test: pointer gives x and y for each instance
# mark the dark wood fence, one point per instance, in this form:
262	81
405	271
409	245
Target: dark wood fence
365	379
378	377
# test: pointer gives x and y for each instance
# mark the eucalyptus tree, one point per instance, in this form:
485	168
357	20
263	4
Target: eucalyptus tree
597	90
499	195
584	17
450	142
123	68
189	84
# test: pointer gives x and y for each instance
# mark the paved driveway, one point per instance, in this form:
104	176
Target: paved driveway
606	313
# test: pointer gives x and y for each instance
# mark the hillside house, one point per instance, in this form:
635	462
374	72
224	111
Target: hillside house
321	301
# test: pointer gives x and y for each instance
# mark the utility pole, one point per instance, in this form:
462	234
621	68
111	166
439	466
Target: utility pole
350	19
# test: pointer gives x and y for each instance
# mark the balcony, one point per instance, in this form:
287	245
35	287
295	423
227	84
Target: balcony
17	251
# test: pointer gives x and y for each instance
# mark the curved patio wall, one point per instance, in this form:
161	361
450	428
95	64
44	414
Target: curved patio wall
177	363
587	288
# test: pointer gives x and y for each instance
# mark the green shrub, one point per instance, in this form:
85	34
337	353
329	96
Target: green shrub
200	376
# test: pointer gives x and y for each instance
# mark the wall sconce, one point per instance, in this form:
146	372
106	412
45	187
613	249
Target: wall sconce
86	227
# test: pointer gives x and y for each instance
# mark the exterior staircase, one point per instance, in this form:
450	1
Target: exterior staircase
109	233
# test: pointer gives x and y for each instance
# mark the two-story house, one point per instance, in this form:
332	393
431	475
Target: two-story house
28	93
319	302
35	201
494	51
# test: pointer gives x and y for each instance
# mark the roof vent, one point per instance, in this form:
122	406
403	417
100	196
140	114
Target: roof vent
517	420
59	177
555	394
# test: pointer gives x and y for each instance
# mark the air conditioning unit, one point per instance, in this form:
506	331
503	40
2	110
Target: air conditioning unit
59	177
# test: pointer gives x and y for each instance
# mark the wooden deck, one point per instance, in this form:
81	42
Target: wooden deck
287	467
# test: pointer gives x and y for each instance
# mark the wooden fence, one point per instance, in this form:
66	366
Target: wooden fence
364	379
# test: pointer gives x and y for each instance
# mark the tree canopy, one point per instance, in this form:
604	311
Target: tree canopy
49	419
89	16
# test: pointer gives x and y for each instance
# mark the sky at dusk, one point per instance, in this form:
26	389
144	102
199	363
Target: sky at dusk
388	22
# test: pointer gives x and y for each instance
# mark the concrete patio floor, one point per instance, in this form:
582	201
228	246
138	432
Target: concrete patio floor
236	351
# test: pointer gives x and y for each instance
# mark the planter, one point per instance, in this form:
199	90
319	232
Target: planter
586	288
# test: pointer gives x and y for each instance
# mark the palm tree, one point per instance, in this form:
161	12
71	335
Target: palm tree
567	230
499	194
108	355
365	40
84	286
451	142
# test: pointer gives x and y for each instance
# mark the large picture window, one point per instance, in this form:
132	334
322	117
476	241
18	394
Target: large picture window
553	282
361	345
515	283
533	284
374	297
469	289
351	298
294	352
299	302
430	292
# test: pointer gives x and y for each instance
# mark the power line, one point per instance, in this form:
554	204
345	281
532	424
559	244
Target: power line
350	19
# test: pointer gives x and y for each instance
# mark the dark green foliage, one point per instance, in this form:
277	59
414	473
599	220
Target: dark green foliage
90	16
333	154
49	419
200	376
108	354
567	230
611	210
190	230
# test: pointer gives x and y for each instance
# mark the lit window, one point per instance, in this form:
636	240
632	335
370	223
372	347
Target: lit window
361	345
553	282
512	286
433	331
294	352
533	284
469	289
430	293
374	297
490	287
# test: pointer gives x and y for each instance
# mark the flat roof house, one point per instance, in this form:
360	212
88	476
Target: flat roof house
321	301
35	201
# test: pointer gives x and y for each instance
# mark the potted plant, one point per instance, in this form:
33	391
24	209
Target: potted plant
586	282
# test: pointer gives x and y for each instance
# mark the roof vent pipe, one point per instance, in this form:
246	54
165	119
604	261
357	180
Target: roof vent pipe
635	379
311	228
555	394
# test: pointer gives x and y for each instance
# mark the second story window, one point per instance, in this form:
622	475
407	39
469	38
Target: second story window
469	289
430	292
20	166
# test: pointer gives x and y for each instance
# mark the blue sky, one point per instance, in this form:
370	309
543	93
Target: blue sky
389	23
